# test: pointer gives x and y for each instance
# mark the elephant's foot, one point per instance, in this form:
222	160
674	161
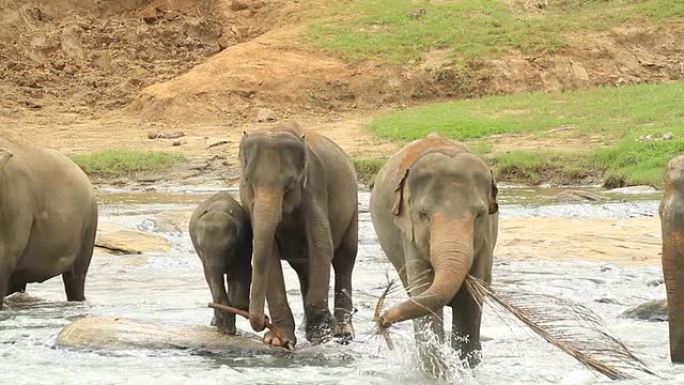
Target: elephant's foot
225	323
472	359
320	327
344	332
289	342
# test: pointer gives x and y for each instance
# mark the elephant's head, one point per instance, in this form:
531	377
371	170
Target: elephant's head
273	177
441	205
675	174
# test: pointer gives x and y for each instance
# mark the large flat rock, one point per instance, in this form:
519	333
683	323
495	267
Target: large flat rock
120	240
112	334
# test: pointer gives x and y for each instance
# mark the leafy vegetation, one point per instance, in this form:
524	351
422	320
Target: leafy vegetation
120	162
619	116
366	169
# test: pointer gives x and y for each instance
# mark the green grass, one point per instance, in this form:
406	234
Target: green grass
366	169
618	115
359	30
612	112
121	162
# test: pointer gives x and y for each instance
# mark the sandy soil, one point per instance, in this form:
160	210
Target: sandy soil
634	241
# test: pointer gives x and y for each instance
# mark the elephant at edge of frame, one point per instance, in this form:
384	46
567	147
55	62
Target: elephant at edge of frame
48	220
672	225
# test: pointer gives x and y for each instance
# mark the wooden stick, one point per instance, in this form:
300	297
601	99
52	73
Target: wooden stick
275	330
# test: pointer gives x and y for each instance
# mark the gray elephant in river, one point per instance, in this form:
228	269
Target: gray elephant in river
434	210
48	220
222	236
672	224
301	192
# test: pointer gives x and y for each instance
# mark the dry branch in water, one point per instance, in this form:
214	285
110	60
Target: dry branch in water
277	333
376	317
572	328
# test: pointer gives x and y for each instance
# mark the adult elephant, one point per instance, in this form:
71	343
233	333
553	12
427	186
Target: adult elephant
434	210
301	192
672	225
48	219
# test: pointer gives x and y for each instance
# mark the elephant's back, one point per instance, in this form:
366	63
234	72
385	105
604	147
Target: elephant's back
341	183
49	174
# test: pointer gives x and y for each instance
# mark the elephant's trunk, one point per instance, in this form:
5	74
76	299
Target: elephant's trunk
266	215
451	255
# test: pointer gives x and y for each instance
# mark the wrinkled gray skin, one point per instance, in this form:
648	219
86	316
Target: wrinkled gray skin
222	236
672	222
301	192
434	210
48	220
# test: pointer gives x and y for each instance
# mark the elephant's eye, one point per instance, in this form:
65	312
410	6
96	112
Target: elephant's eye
423	213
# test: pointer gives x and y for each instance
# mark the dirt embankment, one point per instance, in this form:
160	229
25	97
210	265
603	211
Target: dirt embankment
84	75
275	71
203	61
83	55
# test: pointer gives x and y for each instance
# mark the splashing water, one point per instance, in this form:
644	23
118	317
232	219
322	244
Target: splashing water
170	287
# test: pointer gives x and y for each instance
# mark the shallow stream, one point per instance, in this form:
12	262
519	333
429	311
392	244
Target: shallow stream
170	287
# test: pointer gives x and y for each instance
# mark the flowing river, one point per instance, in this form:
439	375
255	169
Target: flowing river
169	286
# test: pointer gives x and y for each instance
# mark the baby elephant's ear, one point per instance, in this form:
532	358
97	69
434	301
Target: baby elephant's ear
5	156
493	204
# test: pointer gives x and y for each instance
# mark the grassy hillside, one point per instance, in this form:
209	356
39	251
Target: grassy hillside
619	116
398	31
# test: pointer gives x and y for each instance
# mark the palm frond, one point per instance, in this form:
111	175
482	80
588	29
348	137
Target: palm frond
571	327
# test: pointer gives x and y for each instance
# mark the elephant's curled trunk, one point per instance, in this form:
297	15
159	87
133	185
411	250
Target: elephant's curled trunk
266	215
451	255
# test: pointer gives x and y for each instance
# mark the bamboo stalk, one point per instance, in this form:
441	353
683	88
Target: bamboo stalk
275	330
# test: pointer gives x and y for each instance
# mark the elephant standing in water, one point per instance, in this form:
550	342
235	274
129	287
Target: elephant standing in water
672	221
222	236
48	220
301	192
434	210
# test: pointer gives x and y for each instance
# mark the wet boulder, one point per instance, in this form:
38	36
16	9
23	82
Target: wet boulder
634	190
116	334
120	240
651	311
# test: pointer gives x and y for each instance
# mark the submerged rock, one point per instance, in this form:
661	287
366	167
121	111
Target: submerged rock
577	196
652	311
634	190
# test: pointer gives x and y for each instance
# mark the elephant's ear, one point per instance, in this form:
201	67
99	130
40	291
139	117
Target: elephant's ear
399	194
493	205
5	156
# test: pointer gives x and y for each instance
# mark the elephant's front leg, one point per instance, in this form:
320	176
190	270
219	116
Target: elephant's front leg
224	321
467	313
319	320
279	308
465	331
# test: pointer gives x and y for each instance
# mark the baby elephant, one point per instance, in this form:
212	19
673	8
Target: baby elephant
222	236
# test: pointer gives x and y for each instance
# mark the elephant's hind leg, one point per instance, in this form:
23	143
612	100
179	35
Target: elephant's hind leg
343	264
74	278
